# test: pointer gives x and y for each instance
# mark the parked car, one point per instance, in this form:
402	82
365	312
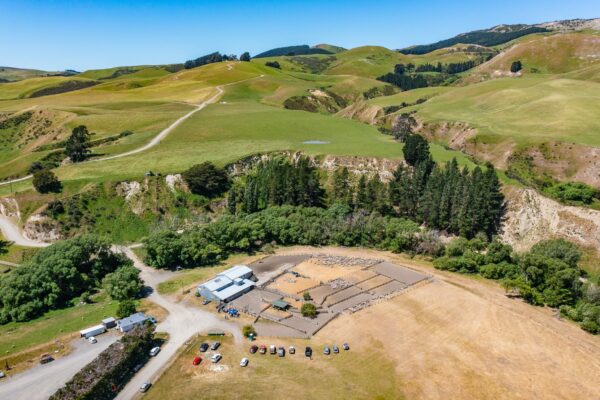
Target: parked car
145	386
336	349
308	352
272	349
345	346
263	349
215	345
216	358
253	349
154	351
197	360
137	368
244	362
2	374
46	358
326	351
152	319
92	340
281	351
205	302
204	347
292	350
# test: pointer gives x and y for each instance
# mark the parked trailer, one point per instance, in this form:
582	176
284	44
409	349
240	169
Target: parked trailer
93	331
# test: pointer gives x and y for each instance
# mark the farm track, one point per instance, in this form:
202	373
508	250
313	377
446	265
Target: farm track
161	135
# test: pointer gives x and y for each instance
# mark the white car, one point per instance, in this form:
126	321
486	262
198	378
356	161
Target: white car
92	340
2	374
244	362
215	358
154	351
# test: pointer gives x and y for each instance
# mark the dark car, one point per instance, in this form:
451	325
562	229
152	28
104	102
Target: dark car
263	349
345	346
203	347
145	386
308	352
215	345
253	349
46	358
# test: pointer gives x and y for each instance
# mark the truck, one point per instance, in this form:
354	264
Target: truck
92	331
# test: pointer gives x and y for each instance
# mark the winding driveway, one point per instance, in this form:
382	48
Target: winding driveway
182	323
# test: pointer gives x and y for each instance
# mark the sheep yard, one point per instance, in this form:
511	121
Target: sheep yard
334	284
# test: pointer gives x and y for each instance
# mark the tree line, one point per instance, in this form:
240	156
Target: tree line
214	58
275	182
283	225
408	76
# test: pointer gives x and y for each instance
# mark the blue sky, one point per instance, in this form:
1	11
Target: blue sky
56	35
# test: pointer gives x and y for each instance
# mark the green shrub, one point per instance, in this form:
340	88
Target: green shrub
308	310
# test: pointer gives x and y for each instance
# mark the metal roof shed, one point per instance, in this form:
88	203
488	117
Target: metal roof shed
128	323
280	305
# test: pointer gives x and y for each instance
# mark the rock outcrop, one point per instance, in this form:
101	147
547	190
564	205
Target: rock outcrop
532	217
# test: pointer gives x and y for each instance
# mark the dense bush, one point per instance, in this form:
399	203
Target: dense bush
273	64
126	308
285	225
206	179
573	192
55	276
124	283
45	181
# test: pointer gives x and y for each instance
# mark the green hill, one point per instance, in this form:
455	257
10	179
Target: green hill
293	51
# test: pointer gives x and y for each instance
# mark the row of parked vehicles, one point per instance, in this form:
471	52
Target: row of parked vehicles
280	351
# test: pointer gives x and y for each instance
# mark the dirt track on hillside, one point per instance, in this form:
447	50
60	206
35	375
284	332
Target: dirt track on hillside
462	338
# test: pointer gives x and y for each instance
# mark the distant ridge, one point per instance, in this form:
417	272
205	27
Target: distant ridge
500	34
293	51
484	37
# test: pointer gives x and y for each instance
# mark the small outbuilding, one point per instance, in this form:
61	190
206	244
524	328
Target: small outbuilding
128	323
281	305
109	322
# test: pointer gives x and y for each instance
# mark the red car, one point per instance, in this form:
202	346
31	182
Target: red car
253	349
263	349
197	360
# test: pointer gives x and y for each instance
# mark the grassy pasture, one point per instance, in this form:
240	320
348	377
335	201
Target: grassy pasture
17	336
526	110
348	375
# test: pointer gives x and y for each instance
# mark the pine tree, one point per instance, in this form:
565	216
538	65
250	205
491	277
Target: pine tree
361	197
78	144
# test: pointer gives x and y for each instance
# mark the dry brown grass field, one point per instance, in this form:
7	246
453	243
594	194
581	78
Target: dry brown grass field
454	338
